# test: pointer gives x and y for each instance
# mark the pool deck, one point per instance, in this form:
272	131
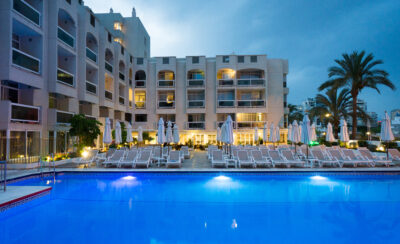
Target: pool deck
16	195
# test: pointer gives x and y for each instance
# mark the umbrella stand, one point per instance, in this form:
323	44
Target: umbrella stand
387	152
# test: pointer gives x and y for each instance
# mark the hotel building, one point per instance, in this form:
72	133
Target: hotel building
60	59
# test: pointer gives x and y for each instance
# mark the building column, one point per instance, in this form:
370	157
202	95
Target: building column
7	145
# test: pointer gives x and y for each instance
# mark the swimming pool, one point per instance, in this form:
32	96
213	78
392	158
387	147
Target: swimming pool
208	208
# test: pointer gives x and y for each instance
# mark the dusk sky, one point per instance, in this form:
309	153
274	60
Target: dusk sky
310	34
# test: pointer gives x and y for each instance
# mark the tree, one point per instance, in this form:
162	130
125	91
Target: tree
357	71
87	130
147	137
294	113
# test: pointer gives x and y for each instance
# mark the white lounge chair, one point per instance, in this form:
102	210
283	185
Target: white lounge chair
244	159
157	156
143	159
335	153
185	150
394	154
115	158
174	159
288	155
322	159
129	158
259	160
217	159
349	153
90	158
369	156
278	159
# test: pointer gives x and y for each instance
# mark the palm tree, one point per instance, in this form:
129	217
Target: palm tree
294	113
357	71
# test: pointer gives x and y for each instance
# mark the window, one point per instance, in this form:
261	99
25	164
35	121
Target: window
225	59
141	117
68	1
128	117
165	60
130	58
118	26
145	41
118	40
122	50
253	59
139	60
80	2
284	84
92	20
15	41
240	59
109	37
195	60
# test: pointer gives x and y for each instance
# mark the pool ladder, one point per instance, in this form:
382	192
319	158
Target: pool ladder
41	171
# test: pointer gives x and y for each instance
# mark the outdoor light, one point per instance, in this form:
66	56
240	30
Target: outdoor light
85	154
368	133
129	177
327	115
318	177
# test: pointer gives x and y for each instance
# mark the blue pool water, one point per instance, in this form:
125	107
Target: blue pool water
208	208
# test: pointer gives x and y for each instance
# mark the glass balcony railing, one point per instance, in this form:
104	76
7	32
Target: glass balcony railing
91	88
195	103
108	67
65	37
220	123
226	82
166	83
121	76
197	125
65	77
250	82
25	61
192	83
140	83
166	104
250	103
91	55
27	10
121	100
250	124
24	113
64	117
140	105
226	103
108	95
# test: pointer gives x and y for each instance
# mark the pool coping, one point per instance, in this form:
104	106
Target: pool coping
23	199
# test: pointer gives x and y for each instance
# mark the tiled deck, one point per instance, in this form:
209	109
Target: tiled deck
18	194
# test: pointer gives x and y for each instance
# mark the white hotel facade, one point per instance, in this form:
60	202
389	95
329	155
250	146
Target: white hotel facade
60	59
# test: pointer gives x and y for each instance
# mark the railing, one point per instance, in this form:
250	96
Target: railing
121	76
91	54
166	83
91	87
27	10
121	100
65	77
226	103
251	82
195	104
226	82
24	113
64	117
65	37
23	159
194	83
3	174
250	124
219	124
25	61
250	103
166	104
140	105
108	67
140	83
196	125
108	95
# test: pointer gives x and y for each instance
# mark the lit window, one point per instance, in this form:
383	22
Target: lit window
118	26
225	59
119	40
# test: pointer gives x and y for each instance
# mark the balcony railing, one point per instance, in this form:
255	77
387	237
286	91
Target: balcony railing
108	67
121	100
64	117
223	82
195	104
250	124
140	83
65	77
196	125
24	113
166	83
251	82
121	76
90	54
250	103
226	103
219	124
108	95
25	61
195	83
166	104
27	10
65	37
91	87
140	105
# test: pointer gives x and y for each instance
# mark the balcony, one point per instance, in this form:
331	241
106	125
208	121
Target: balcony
195	83
224	82
195	104
219	124
196	125
24	113
140	83
226	103
166	104
108	67
251	82
91	88
63	117
166	83
91	55
25	61
121	100
27	11
121	76
108	95
65	77
250	124
65	37
140	105
250	103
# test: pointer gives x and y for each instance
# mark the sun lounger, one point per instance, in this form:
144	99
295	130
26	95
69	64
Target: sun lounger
288	155
335	153
244	159
349	153
277	159
157	156
129	158
143	159
90	158
115	158
323	159
218	159
259	160
174	159
366	154
394	154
